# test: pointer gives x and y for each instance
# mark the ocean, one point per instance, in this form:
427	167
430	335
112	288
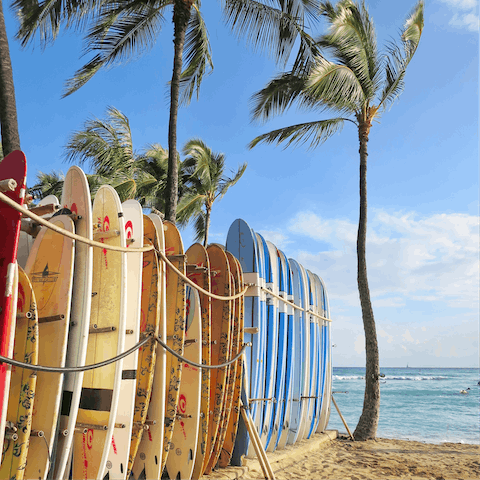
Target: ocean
423	404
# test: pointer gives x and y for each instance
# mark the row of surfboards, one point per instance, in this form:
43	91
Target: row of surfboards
150	413
289	368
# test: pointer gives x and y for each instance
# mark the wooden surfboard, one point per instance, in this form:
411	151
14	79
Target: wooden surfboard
25	241
22	384
220	330
198	270
175	330
231	431
118	457
150	318
76	198
183	445
230	374
13	166
50	269
101	387
148	458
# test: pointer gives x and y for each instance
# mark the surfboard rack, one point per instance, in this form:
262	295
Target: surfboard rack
252	400
82	430
22	317
251	330
45	209
64	432
91	426
191	267
94	329
52	318
141	426
8	185
10	436
179	256
37	433
190	341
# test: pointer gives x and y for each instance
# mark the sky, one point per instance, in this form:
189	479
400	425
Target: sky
423	171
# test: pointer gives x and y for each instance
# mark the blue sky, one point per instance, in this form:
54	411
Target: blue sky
423	190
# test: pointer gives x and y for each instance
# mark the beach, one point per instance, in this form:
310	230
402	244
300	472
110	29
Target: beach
332	457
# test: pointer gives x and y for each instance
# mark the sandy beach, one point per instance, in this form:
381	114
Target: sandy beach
340	458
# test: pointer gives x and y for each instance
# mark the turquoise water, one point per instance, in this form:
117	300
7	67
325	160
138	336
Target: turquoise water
423	404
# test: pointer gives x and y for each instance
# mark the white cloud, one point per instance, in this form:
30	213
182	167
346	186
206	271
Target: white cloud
360	344
407	336
469	20
465	14
279	239
384	334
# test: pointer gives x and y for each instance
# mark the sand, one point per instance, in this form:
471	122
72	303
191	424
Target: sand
340	458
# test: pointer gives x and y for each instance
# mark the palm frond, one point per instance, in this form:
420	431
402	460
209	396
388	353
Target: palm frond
48	184
189	206
265	26
335	86
199	227
120	33
351	39
226	182
315	132
196	56
398	58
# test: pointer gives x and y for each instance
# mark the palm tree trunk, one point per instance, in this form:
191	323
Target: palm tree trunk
207	224
181	16
368	423
8	108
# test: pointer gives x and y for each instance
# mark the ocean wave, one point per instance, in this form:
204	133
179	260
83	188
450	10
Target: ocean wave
391	377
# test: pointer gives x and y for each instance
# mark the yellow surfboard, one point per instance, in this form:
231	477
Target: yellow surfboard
183	445
147	461
175	330
150	318
231	432
50	269
101	387
220	331
198	270
22	383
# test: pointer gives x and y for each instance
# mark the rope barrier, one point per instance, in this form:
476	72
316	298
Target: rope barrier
66	233
294	305
199	365
194	285
42	368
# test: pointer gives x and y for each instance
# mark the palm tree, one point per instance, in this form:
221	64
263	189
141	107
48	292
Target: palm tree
8	109
122	28
48	184
206	184
106	145
358	84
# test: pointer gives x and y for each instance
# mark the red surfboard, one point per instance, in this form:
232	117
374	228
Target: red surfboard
12	166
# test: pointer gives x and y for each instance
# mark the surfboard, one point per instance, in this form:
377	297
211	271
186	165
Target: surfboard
147	458
150	318
96	417
279	390
241	241
290	352
231	431
76	198
183	446
118	456
25	241
271	368
175	330
50	269
13	166
22	384
315	370
300	355
221	333
230	369
198	270
263	405
327	358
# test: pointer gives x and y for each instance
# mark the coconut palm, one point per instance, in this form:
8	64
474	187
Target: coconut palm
206	184
120	29
357	84
8	109
48	184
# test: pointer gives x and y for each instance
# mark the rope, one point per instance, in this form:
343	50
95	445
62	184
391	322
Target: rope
60	230
194	285
294	305
42	368
198	365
